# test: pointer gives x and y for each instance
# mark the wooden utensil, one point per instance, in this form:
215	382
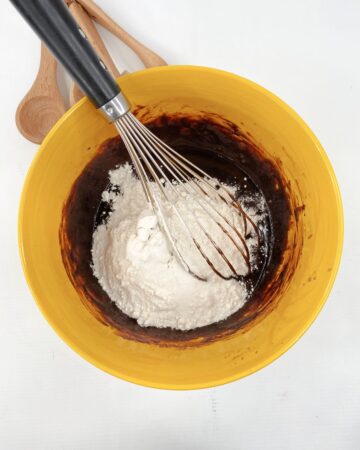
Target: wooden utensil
147	56
43	105
88	27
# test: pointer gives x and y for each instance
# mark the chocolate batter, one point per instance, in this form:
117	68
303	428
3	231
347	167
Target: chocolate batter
221	149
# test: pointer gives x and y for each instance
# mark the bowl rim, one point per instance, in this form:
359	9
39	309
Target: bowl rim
170	386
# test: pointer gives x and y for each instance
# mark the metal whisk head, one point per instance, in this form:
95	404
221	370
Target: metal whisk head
157	166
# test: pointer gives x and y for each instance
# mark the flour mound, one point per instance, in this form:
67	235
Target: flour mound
135	264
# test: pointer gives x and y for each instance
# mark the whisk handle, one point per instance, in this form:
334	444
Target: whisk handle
56	27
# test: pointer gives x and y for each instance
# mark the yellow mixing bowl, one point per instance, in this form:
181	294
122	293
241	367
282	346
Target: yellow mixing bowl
286	138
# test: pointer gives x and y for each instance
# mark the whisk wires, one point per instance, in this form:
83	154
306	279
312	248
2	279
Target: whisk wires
157	166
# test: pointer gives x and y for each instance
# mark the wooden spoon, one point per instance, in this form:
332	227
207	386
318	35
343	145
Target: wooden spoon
43	105
88	27
147	56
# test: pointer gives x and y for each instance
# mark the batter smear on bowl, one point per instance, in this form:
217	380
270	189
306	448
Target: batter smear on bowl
135	264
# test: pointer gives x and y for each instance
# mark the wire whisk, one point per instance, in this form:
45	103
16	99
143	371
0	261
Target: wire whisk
157	164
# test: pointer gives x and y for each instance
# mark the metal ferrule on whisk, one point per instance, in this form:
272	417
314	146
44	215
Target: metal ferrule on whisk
115	108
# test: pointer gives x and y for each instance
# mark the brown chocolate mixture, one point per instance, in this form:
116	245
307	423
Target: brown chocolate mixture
221	149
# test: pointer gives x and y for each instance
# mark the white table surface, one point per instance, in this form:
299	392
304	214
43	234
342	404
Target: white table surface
306	52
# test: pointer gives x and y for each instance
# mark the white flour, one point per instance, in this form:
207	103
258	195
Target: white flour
135	265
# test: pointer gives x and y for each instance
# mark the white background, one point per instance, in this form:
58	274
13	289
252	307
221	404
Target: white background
308	53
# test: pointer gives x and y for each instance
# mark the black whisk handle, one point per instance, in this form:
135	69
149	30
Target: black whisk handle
56	27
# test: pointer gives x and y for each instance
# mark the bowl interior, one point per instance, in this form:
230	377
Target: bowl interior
286	139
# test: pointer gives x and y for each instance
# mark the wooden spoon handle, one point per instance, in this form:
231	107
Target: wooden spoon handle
93	36
48	66
147	56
